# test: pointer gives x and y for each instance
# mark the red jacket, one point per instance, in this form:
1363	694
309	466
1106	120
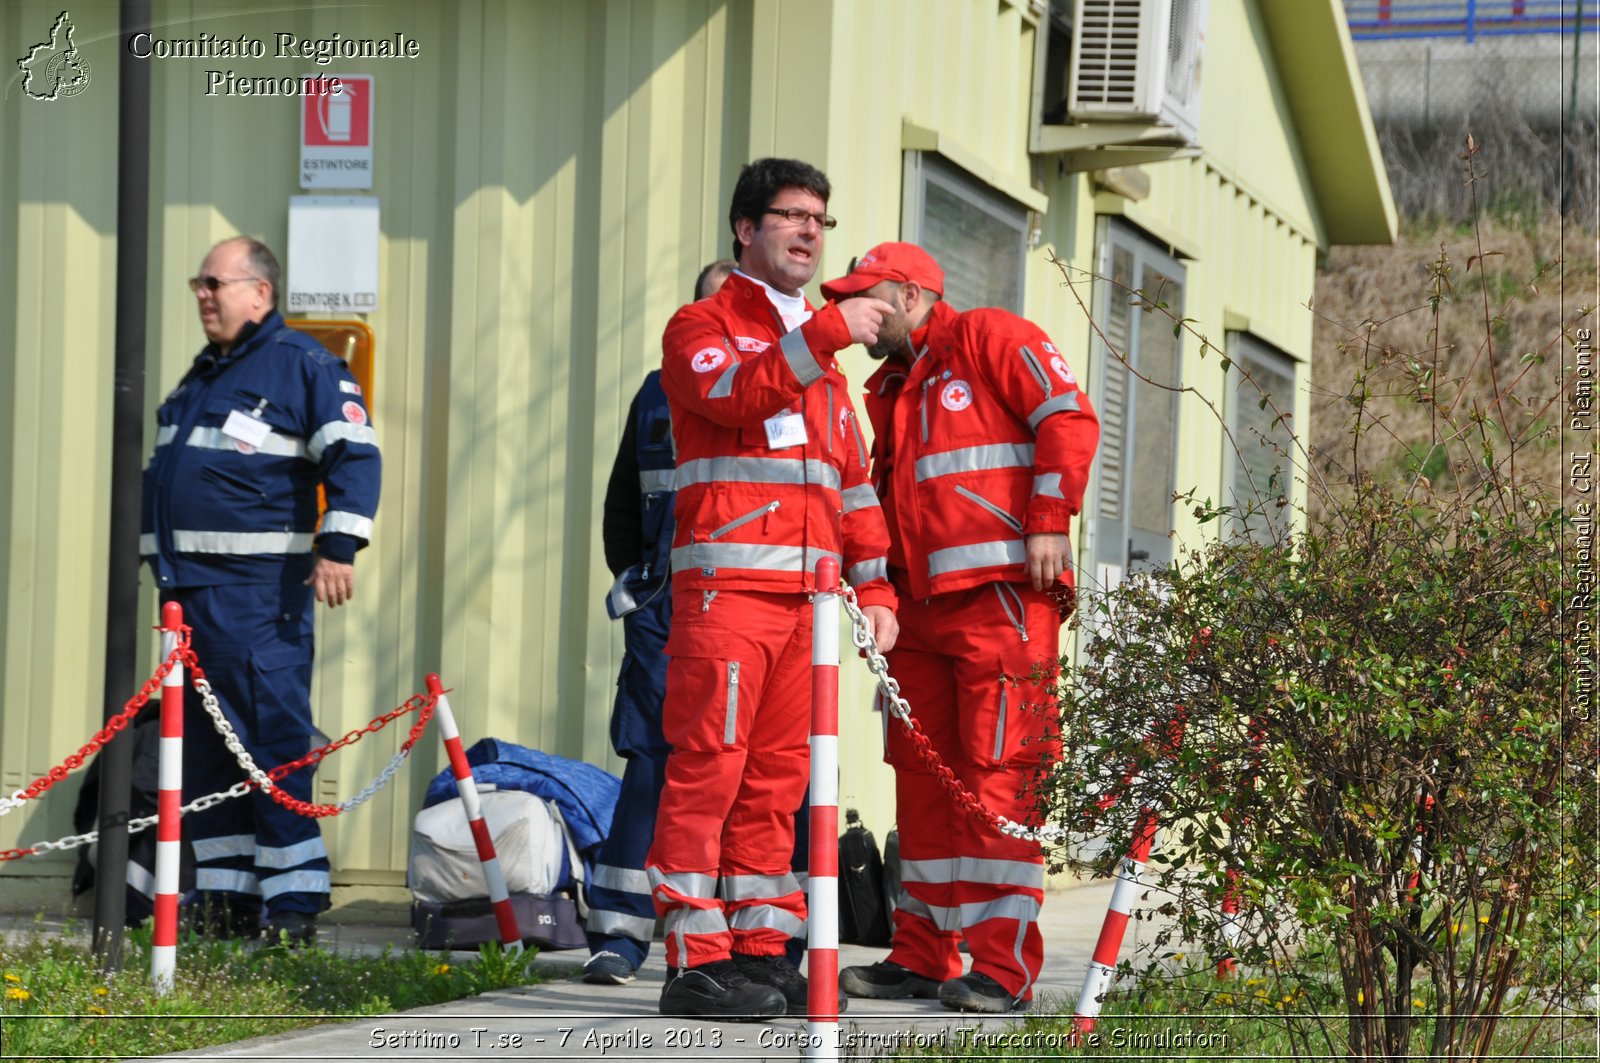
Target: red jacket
984	440
757	508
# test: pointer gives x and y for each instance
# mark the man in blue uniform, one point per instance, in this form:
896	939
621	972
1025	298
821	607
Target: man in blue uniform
262	418
637	533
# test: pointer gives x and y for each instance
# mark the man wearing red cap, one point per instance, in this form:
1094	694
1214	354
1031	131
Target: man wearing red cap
981	456
771	478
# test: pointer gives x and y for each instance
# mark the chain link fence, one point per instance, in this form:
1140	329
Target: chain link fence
1529	100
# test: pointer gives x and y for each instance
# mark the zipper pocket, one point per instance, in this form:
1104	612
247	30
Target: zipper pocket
861	443
730	724
1037	370
972	496
232	481
830	417
742	521
1000	724
1015	615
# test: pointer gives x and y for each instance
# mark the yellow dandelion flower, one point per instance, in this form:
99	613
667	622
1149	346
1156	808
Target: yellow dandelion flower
11	977
1483	919
1224	998
1252	981
1361	996
17	993
1455	928
96	1009
101	991
443	968
1417	1004
1177	955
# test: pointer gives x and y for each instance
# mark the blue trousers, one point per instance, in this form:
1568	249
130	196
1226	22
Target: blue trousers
254	644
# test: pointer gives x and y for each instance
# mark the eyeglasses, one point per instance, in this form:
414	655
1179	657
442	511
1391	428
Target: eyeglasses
797	216
211	284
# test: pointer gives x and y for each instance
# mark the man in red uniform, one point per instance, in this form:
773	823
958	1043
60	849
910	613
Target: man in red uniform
771	478
983	444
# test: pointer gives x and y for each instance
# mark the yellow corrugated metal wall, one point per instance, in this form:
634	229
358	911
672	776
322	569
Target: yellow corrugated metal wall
552	176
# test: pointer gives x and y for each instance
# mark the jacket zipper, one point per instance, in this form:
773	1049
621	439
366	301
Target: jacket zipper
742	521
924	406
972	496
1014	615
1000	724
830	418
1037	369
861	443
730	724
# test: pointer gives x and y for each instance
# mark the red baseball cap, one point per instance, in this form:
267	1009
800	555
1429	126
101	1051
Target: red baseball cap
888	262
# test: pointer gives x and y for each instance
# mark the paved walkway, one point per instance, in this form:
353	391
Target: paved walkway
567	1019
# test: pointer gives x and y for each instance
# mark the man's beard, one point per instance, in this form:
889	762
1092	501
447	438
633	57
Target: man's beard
889	345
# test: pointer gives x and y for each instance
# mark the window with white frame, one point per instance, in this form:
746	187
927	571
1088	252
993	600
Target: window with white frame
1260	405
978	235
1139	291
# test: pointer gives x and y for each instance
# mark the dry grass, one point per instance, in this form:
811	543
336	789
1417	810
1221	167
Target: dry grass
1506	295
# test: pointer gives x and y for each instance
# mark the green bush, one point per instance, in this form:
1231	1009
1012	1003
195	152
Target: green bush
1387	754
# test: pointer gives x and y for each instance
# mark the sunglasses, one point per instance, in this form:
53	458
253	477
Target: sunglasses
211	284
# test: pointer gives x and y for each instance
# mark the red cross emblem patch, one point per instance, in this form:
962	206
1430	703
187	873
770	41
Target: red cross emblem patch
708	359
956	396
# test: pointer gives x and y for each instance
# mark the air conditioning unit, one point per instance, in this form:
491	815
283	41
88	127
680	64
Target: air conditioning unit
1137	61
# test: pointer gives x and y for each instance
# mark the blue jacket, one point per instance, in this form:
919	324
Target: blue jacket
230	494
637	526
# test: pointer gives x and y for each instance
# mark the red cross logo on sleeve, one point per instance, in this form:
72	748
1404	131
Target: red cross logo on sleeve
708	359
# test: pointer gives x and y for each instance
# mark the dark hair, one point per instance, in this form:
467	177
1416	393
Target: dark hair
723	266
263	263
759	184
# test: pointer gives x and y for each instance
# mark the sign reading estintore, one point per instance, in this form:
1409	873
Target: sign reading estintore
333	254
336	120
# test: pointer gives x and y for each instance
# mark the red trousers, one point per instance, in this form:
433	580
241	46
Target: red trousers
969	676
738	717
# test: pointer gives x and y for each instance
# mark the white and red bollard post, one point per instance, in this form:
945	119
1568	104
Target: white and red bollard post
1104	962
499	897
1228	963
822	885
169	802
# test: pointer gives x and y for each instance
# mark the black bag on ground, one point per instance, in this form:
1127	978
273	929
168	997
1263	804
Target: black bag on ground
863	916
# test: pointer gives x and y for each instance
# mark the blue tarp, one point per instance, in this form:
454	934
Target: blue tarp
586	795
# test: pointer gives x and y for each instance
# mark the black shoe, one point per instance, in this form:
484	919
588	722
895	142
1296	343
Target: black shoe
887	981
780	974
978	992
294	929
608	968
718	991
213	915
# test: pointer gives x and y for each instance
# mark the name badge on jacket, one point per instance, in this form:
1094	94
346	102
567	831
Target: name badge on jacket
785	430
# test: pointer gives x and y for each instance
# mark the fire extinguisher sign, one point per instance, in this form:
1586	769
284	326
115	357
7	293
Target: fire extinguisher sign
336	132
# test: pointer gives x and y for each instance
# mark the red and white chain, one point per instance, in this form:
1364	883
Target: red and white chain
900	708
262	779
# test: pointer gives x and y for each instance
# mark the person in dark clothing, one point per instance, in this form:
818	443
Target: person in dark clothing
636	530
231	530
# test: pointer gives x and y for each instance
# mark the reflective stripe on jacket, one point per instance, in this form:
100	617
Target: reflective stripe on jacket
985	440
230	493
757	507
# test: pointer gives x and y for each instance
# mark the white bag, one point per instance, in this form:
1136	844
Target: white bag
530	840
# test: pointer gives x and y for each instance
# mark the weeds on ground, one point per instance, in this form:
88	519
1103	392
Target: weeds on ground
57	1002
